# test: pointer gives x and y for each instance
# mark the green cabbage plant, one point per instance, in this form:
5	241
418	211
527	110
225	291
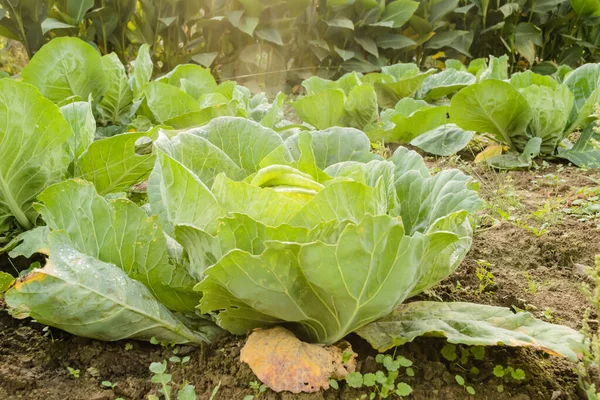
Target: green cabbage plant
246	229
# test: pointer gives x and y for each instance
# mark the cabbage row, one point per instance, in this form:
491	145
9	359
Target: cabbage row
242	221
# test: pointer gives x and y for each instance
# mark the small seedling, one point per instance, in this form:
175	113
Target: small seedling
383	384
506	374
486	278
74	372
128	346
532	285
259	388
109	384
461	381
161	377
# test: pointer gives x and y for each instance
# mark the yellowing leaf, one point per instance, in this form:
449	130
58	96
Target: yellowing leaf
438	55
489	152
283	362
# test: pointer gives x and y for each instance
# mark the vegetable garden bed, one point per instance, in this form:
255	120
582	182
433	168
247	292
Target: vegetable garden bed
192	214
33	361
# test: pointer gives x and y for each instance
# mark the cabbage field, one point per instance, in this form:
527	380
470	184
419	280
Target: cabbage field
427	227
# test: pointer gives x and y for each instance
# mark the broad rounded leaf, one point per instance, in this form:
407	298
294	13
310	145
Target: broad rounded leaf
323	109
118	232
87	297
492	106
113	165
67	67
444	140
473	325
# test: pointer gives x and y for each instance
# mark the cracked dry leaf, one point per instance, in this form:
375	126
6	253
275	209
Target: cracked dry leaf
283	362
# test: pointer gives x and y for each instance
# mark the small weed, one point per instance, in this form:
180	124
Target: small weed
382	383
161	377
532	285
74	372
507	374
259	389
461	381
486	278
108	384
128	346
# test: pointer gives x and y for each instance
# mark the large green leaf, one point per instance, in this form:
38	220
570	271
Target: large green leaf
116	103
322	290
585	153
326	147
473	325
495	107
424	198
194	77
120	233
166	101
361	107
584	82
178	196
397	13
410	119
587	8
67	67
323	109
245	142
87	297
406	85
33	154
200	156
443	140
113	165
444	83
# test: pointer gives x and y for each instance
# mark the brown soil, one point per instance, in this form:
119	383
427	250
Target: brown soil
33	362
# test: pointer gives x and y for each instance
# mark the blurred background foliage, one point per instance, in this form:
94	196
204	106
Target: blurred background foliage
274	41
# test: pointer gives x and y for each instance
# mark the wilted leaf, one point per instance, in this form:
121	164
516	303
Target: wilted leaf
282	362
471	324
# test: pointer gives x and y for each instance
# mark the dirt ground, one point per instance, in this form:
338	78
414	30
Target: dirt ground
535	251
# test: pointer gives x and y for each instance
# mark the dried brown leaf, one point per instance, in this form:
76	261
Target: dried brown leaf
285	363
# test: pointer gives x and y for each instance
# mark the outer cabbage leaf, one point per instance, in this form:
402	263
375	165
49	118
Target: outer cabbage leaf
473	325
584	82
327	147
443	140
113	165
245	142
407	80
444	83
33	137
67	67
193	79
494	107
323	109
120	233
166	102
87	297
410	119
